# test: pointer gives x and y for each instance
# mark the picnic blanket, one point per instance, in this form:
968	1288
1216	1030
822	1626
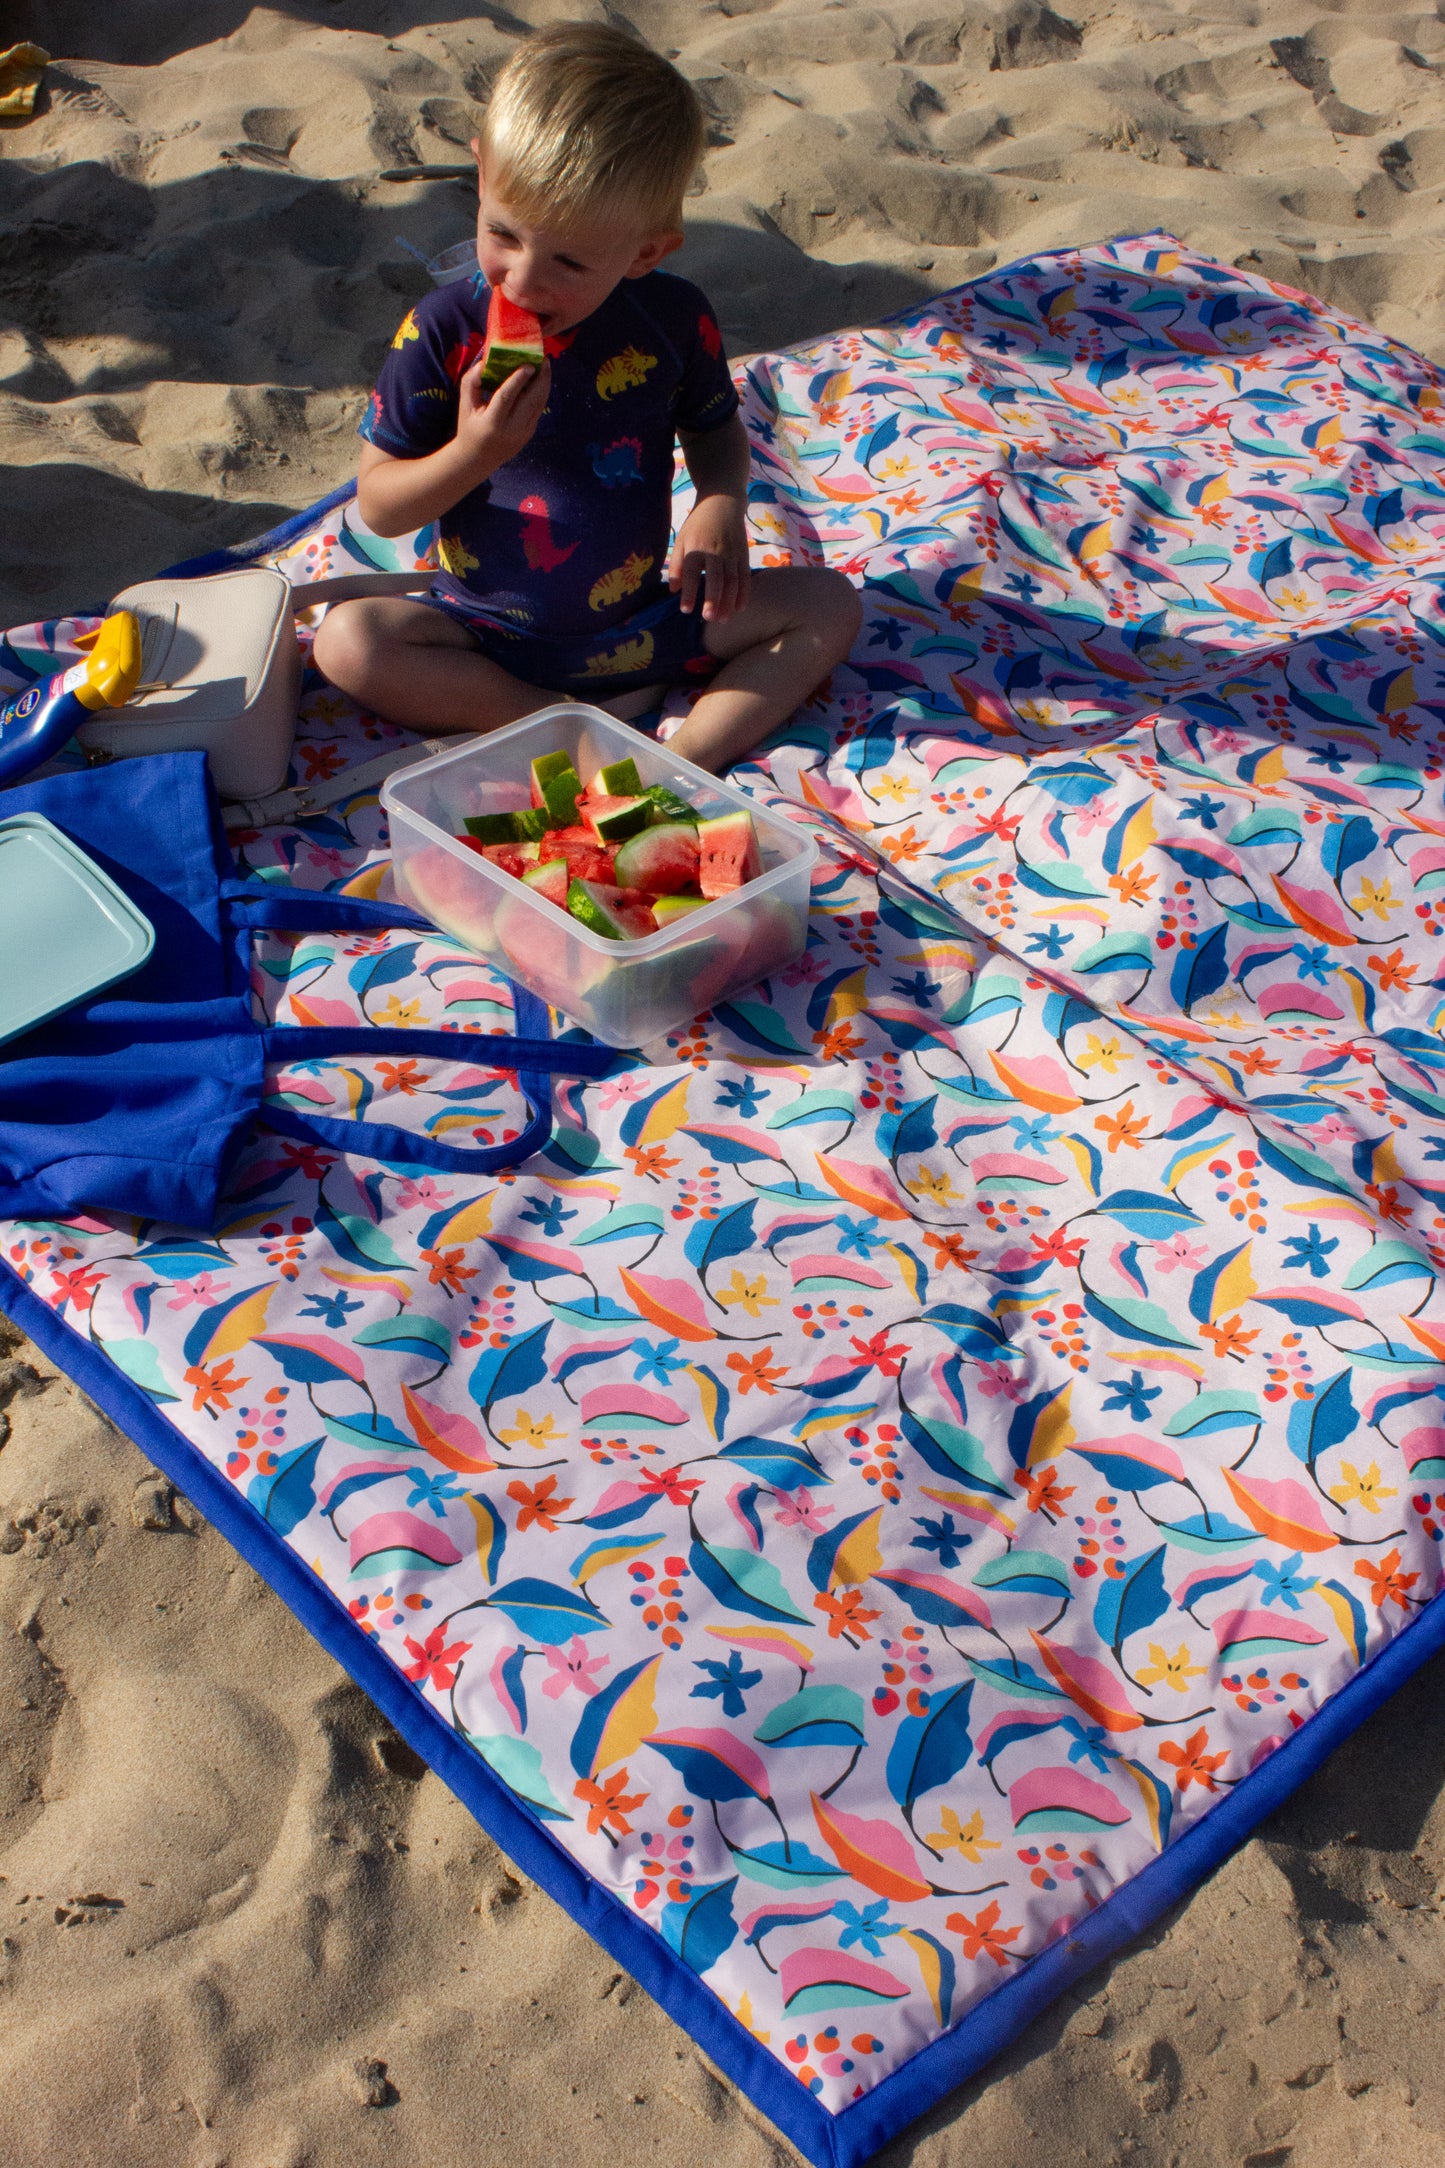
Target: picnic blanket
932	1453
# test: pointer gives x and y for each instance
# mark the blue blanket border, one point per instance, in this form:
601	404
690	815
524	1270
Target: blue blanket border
851	2138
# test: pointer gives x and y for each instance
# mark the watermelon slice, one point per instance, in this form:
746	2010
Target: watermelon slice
587	859
665	805
667	910
550	879
610	819
544	767
662	860
620	780
728	853
514	341
606	910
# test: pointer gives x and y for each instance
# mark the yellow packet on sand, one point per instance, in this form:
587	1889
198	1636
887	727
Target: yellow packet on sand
21	68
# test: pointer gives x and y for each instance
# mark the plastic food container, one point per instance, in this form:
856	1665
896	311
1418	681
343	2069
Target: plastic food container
66	930
624	992
457	262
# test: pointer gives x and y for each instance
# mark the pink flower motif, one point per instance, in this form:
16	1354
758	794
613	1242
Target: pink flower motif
1177	1254
618	1088
1227	741
572	1667
409	1194
997	1378
199	1291
799	1509
325	860
809	967
1334	1129
1090	817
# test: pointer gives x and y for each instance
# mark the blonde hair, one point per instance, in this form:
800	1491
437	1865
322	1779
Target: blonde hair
585	120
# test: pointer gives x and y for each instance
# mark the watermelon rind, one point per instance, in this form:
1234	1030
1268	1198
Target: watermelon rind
667	910
618	780
560	792
613	819
590	907
665	805
491	827
544	767
514	341
661	860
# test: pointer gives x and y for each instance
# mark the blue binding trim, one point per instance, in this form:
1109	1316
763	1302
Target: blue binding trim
261	545
846	2140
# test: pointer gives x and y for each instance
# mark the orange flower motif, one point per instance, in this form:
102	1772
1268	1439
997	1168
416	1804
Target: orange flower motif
949	1250
447	1270
651	1160
1256	1063
1229	1337
1125	1127
1393	970
982	1935
756	1371
838	1043
1190	1763
608	1806
215	1388
907	500
401	1076
1133	884
538	1503
1387	1583
1044	1494
1388	1205
847	1619
903	847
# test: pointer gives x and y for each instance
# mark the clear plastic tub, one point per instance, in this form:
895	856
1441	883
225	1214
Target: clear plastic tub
457	262
624	992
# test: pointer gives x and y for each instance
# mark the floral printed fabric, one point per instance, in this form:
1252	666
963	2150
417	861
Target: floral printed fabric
920	1438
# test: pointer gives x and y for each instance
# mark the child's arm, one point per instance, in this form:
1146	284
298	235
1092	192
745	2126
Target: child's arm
713	539
394	496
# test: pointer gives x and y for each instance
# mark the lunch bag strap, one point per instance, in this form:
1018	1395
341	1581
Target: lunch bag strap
532	1052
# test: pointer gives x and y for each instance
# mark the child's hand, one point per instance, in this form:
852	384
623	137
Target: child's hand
712	542
494	430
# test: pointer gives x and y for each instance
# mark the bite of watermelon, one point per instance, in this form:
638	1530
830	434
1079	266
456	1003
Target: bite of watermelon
514	341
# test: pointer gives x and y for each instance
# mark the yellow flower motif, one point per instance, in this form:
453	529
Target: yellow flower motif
1364	1490
1293	598
1105	1054
1223	1019
745	2018
406	329
401	1013
752	1295
894	469
896	787
937	1188
1175	1670
965	1837
528	1431
1382	900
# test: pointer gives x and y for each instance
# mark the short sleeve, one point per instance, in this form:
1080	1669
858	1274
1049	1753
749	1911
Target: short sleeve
706	397
413	409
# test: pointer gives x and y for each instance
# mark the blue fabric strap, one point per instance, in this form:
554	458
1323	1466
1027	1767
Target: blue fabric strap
532	1052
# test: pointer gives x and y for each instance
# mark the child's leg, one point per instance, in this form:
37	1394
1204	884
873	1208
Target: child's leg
418	667
795	625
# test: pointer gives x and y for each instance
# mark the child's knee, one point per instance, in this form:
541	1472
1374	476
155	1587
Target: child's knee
833	610
345	644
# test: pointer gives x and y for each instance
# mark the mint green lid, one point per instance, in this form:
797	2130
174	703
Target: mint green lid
66	930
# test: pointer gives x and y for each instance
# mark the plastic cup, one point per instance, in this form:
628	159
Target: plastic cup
457	262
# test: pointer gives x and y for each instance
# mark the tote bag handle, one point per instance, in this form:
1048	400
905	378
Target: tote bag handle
532	1052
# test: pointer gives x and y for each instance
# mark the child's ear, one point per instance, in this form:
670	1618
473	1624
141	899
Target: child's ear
653	250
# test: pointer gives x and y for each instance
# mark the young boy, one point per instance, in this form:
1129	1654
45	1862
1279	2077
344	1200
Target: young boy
553	496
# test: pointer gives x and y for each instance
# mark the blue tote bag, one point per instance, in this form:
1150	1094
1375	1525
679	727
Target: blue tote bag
138	1100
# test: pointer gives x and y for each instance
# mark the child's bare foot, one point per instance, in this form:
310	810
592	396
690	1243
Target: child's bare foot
796	624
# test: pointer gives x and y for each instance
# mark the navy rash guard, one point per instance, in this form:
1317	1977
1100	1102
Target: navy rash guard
558	562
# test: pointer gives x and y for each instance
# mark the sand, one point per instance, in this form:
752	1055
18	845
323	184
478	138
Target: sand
240	1926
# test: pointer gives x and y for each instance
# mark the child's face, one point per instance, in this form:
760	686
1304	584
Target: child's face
561	275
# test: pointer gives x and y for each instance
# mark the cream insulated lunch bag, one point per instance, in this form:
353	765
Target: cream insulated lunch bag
222	677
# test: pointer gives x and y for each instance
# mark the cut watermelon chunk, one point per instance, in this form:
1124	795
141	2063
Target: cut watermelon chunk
665	805
514	341
606	910
728	853
662	860
611	819
587	859
667	910
559	794
544	767
620	780
550	879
